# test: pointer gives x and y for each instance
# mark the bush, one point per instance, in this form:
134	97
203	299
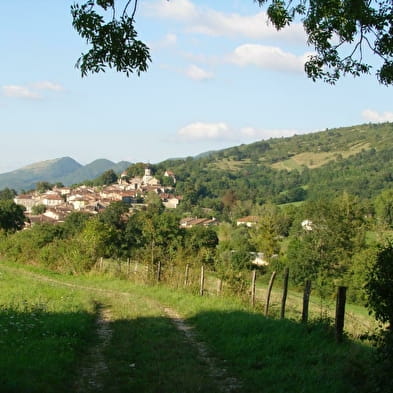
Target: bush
379	286
380	302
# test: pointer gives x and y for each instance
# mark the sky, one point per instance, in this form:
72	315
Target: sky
220	76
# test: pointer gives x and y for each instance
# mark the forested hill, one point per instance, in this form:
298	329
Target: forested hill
61	170
356	159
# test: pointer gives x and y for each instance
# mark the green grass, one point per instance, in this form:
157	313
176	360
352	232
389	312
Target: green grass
267	354
230	164
375	237
48	336
280	356
147	354
43	329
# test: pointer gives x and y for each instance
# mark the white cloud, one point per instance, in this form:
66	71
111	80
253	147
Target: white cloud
375	117
221	131
196	73
168	40
256	26
32	90
204	20
182	10
20	92
267	57
205	131
46	85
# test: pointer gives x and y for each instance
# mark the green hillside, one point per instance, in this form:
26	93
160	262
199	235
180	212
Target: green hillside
314	149
50	170
356	159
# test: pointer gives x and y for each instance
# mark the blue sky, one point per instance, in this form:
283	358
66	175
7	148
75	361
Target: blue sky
220	77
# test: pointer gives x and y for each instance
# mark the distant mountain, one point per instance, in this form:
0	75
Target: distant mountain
50	170
93	170
65	170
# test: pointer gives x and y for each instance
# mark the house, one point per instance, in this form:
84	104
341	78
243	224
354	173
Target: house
129	196
258	259
307	225
79	202
56	215
113	192
249	221
148	179
135	183
33	219
190	222
63	190
123	179
26	200
171	175
51	199
170	201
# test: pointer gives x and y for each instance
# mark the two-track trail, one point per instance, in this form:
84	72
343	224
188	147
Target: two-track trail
163	352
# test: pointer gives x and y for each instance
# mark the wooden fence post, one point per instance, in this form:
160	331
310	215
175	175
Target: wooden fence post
101	264
186	275
219	286
269	290
340	312
284	292
128	266
306	300
253	277
159	271
201	291
136	267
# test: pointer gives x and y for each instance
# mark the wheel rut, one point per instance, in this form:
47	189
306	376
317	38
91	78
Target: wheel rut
225	382
94	364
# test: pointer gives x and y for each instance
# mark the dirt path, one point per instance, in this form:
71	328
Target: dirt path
225	382
94	365
89	378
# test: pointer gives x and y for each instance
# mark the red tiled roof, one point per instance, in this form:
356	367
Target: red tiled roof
248	219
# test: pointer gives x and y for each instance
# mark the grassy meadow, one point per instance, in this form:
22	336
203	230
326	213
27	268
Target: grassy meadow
44	329
48	330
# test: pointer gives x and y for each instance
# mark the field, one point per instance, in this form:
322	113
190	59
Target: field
316	160
99	333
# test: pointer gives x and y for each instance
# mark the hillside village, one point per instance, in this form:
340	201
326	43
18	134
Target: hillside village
61	201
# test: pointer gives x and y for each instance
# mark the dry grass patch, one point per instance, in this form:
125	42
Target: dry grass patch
316	160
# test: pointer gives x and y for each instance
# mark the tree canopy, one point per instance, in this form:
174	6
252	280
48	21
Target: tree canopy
12	217
379	285
113	39
7	194
342	32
